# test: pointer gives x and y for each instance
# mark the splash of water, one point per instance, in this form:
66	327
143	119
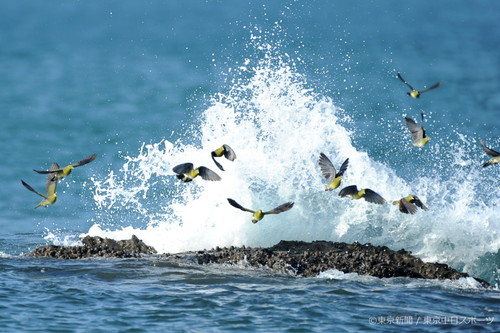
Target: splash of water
462	283
278	125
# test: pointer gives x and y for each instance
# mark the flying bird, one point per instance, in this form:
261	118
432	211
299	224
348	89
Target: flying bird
333	178
417	132
491	152
187	173
367	194
409	204
60	173
50	197
416	93
259	214
225	151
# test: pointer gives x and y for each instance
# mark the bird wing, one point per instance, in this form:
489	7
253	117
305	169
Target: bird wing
410	208
373	197
237	205
280	209
44	172
431	87
86	160
489	151
53	169
208	174
217	163
422	125
417	132
327	168
349	190
33	190
404	81
183	168
343	168
229	153
50	187
419	203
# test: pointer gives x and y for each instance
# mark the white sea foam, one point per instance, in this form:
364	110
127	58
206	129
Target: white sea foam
333	274
62	240
4	255
462	283
277	124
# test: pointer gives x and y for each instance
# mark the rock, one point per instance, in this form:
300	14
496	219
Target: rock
96	247
297	258
308	259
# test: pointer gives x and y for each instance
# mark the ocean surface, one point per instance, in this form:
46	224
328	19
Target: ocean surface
147	85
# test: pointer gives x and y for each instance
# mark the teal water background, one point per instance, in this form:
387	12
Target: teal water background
111	77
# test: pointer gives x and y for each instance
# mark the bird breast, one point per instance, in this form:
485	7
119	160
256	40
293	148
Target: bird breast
219	152
422	142
336	182
193	173
67	170
257	216
409	198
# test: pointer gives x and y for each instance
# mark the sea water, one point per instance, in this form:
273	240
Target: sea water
150	86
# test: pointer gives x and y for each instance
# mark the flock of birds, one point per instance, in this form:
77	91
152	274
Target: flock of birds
407	205
186	172
418	132
54	174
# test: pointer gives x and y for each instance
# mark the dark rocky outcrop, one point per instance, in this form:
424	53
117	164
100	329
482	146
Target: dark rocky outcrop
96	247
298	258
308	259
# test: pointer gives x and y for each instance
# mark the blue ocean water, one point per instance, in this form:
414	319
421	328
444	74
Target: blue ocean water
147	86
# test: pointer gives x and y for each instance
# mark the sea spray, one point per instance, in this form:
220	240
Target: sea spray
278	124
278	127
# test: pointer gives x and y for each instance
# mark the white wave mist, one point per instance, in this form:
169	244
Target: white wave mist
278	125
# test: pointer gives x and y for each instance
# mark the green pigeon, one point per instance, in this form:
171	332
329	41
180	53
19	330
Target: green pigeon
409	204
333	178
259	214
491	152
187	173
417	132
60	173
50	197
225	151
367	194
416	93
